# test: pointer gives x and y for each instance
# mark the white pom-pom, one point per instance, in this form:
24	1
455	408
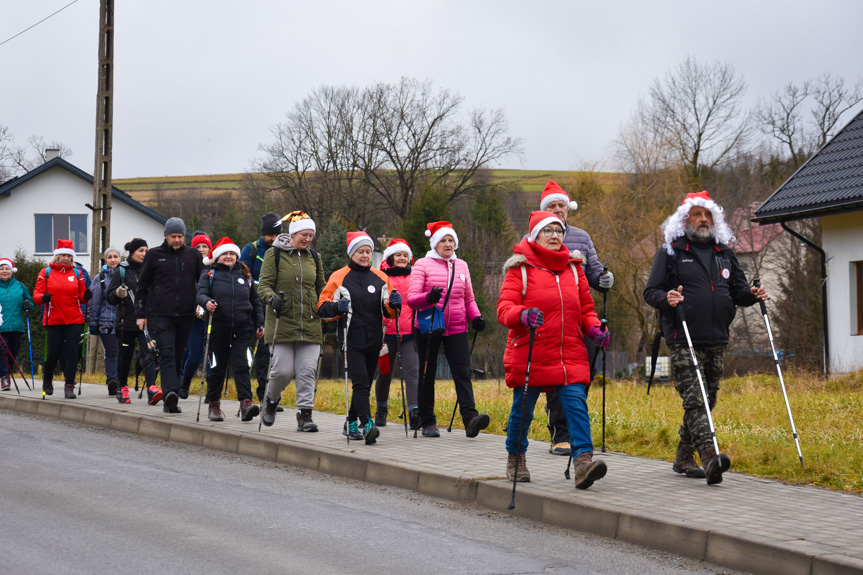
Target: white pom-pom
573	205
428	233
207	261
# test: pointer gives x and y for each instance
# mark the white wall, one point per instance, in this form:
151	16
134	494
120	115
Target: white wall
58	191
842	239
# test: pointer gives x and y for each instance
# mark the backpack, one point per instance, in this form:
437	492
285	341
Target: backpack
74	269
523	268
277	253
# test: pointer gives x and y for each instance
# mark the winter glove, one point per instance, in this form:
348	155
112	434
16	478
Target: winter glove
344	305
27	305
122	292
606	280
532	318
46	298
599	337
478	323
88	295
278	303
396	300
94	329
434	295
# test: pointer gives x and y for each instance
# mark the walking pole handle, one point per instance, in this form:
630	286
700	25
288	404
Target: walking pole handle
678	314
757	283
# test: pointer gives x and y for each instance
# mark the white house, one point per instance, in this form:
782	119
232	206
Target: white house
830	186
48	203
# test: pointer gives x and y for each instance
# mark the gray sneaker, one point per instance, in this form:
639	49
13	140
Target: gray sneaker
305	423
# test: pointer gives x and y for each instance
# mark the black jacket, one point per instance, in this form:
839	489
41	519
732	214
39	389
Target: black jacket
124	319
167	282
709	296
235	294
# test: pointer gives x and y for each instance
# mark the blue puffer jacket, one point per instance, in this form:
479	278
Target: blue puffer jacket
578	239
100	312
12	296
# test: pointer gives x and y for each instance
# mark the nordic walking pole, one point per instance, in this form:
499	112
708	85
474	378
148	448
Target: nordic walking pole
6	354
270	362
455	407
345	350
757	283
401	375
521	422
604	322
30	343
83	355
204	371
425	371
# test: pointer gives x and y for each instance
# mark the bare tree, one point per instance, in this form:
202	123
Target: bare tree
782	118
16	160
832	100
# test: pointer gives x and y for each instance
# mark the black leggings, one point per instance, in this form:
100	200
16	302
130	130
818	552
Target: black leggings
361	369
229	345
127	341
63	340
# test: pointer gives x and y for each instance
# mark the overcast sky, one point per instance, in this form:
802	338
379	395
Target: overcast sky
198	84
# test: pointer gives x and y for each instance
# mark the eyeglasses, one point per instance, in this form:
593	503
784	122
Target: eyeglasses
307	235
548	232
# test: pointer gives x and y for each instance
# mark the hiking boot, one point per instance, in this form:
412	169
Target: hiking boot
154	395
70	390
249	410
122	394
714	465
516	466
268	416
477	424
279	408
561	448
113	384
214	411
431	431
170	405
47	387
184	387
684	462
370	432
587	471
352	430
5	383
414	415
381	415
304	422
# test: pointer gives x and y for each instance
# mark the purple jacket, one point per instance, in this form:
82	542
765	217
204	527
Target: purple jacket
431	271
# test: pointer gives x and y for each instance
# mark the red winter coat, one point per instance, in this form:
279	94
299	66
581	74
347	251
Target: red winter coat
431	271
67	293
401	283
559	356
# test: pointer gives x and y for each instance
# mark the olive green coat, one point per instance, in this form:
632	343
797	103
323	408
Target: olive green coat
302	281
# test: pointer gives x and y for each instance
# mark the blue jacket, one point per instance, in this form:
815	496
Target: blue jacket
578	239
12	296
100	312
253	256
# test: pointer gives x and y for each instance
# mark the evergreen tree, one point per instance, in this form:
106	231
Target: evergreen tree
433	206
331	245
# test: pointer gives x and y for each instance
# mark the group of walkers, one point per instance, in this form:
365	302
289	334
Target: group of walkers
181	304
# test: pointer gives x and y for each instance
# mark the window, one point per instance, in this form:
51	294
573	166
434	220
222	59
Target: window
53	227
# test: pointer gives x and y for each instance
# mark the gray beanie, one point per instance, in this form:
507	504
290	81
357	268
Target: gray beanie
115	250
174	226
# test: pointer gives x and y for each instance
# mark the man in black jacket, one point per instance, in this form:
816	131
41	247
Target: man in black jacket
165	301
696	261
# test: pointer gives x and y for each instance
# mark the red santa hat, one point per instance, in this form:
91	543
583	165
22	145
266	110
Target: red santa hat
65	247
398	245
8	262
358	239
437	230
554	193
539	220
675	225
222	246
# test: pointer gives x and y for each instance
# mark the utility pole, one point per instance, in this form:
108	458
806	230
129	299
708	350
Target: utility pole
100	231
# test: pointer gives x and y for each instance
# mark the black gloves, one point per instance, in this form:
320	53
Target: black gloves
88	295
434	295
395	300
344	305
46	298
27	305
278	303
478	323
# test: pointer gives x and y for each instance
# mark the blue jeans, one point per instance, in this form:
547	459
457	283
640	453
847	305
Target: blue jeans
111	347
573	399
195	348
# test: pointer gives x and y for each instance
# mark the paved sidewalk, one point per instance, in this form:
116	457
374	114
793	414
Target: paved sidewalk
746	523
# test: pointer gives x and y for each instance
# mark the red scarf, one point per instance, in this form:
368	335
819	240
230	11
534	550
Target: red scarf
555	260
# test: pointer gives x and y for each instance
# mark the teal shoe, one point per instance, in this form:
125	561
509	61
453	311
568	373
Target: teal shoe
370	432
352	430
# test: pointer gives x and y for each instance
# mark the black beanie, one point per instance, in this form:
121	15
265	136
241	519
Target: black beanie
271	223
133	246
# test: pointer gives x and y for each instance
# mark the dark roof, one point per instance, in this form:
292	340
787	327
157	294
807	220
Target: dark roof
116	193
830	182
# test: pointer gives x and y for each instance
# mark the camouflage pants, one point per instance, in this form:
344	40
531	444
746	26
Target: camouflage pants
695	430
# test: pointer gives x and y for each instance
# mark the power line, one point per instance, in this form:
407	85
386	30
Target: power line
37	23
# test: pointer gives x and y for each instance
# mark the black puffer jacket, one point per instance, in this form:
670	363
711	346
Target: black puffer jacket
125	274
709	296
167	282
235	294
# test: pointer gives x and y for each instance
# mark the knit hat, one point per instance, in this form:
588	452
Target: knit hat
299	221
8	262
112	249
675	225
201	238
437	230
358	239
397	245
136	244
271	223
223	246
65	247
539	220
554	193
174	226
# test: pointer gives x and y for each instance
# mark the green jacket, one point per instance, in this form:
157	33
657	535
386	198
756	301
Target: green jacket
302	280
12	296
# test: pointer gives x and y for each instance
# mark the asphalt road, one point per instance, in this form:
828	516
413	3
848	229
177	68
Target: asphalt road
80	500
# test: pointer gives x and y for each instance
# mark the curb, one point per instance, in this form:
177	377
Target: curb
737	551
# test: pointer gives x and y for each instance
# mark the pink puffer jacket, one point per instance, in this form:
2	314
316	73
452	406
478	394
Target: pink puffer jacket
431	271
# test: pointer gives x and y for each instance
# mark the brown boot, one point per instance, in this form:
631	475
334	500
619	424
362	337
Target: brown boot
587	470
215	411
714	465
516	465
684	462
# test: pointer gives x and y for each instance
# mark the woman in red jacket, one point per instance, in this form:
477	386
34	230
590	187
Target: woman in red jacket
61	289
545	289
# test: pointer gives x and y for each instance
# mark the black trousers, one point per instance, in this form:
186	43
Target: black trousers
9	352
361	370
171	335
127	340
262	367
65	340
457	352
229	345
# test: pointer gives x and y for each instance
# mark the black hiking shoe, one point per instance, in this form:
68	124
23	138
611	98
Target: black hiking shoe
268	416
305	423
112	386
184	387
47	387
381	415
70	390
414	414
477	424
170	403
714	465
431	431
